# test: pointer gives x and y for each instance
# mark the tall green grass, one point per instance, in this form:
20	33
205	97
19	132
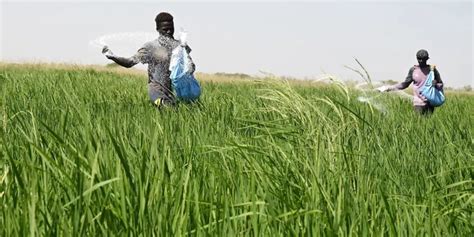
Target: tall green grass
84	153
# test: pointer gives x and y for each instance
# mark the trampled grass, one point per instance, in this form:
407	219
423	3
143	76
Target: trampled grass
84	153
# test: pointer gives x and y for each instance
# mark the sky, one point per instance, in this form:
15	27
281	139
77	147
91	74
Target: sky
303	39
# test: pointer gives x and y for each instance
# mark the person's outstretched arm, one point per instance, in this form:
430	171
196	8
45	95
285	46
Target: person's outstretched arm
122	61
404	84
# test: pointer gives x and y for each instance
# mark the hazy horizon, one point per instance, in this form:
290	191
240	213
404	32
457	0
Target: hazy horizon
297	39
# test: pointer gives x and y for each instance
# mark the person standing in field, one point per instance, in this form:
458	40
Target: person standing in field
156	54
418	74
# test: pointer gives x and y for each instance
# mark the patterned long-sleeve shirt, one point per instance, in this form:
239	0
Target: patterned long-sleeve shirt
157	55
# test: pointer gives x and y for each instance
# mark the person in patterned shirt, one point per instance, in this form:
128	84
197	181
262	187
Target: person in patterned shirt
157	55
418	74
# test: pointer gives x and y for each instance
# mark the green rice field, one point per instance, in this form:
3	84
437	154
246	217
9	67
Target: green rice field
84	153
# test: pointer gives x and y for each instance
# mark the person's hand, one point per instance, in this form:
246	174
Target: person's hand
437	85
383	88
107	52
422	97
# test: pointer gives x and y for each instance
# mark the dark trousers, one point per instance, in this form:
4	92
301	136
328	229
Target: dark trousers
160	95
424	110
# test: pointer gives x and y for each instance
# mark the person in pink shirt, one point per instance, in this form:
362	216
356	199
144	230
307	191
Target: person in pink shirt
418	74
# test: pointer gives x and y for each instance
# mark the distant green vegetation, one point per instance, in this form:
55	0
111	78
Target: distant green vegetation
82	152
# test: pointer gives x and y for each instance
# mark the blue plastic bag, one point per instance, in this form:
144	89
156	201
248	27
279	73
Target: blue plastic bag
434	96
185	85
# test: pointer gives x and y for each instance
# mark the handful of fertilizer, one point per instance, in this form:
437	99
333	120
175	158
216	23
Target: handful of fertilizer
107	52
383	88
